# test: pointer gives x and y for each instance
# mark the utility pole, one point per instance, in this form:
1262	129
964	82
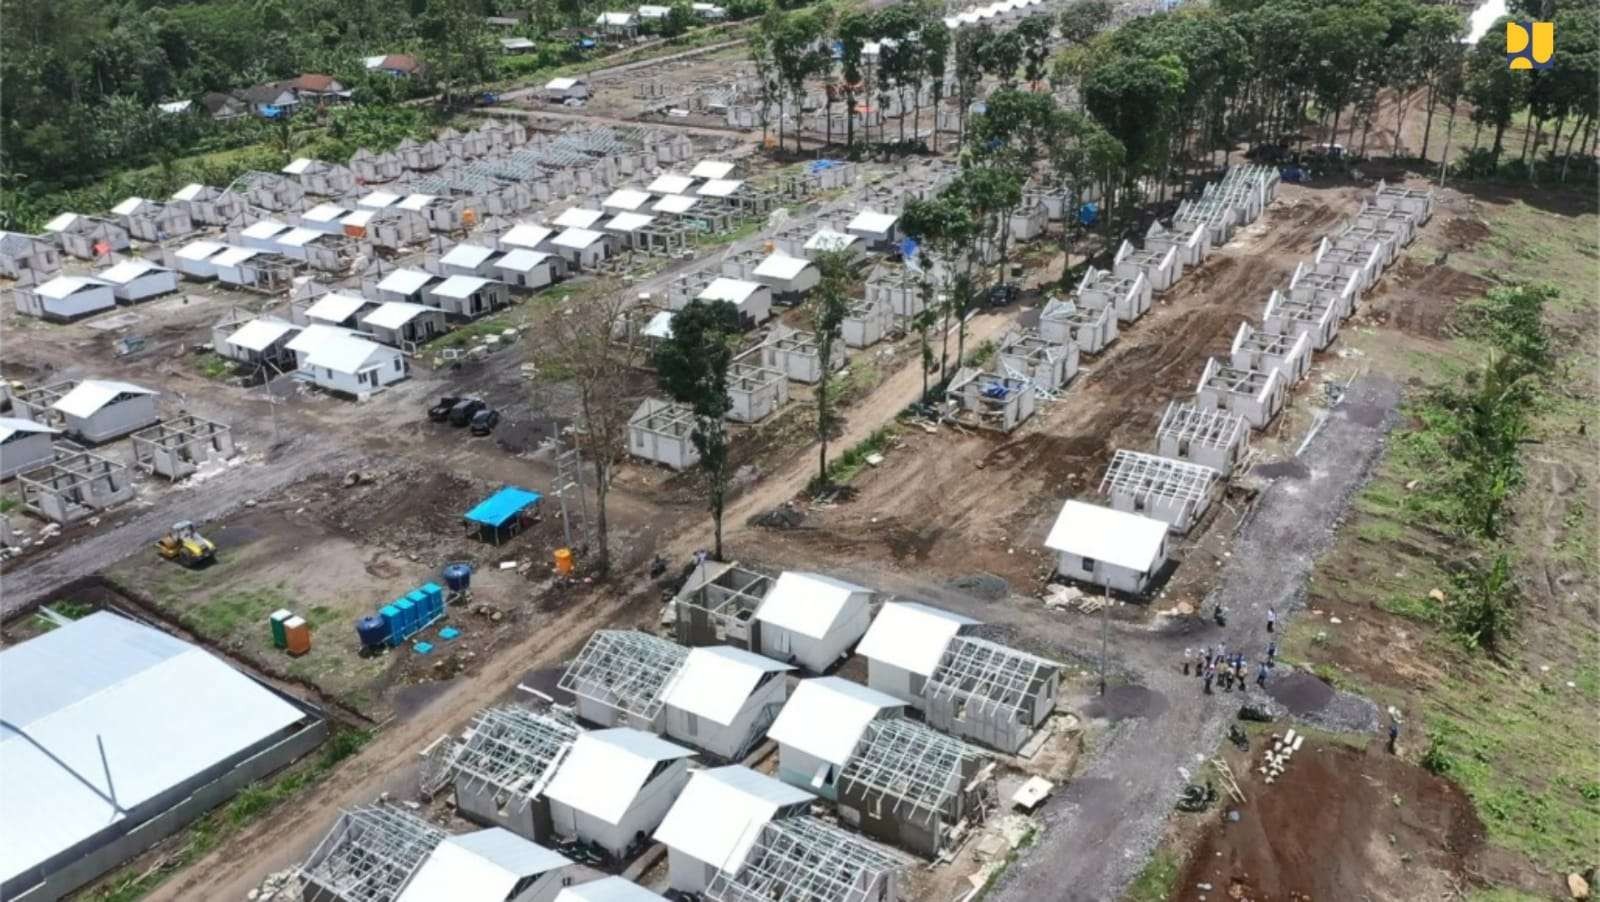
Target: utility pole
1105	637
569	477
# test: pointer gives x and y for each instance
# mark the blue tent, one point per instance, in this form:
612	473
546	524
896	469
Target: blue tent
500	516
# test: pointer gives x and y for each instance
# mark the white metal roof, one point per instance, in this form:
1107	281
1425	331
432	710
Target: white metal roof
129	206
300	237
66	286
394	314
735	291
297	166
379	199
189	191
200	250
911	636
472	255
416	201
259	334
614	19
335	308
562	84
484	866
126	271
360	218
576	238
873	221
781	266
578	218
606	769
521	260
711	169
345	353
829	240
526	234
670	183
10	426
1102	534
715	682
674	203
233	256
315	335
405	281
826	717
607	889
460	286
806	603
628	222
719	187
517	44
266	228
660	326
90	395
626	199
104	714
649	11
720	813
61	223
324	213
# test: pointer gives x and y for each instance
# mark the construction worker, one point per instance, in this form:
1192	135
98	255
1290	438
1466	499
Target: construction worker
1394	735
1211	672
1272	619
1272	651
1238	671
1187	654
1261	675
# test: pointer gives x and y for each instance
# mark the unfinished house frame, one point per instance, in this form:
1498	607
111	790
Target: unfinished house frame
1418	203
619	676
756	392
898	287
1368	238
180	446
1160	267
1214	438
992	400
500	769
1253	394
803	859
718	605
1090	328
1214	214
911	786
1257	349
1126	296
865	323
1365	263
1049	365
75	486
1192	246
1286	316
39	403
989	693
688	286
797	355
1343	291
662	431
270	191
1401	224
1028	221
1173	491
369	856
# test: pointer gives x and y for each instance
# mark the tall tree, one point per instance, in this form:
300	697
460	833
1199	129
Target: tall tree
854	29
832	300
1083	19
943	228
1496	92
455	43
692	368
1034	34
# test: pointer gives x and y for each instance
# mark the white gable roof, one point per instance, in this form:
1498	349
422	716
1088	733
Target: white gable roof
189	191
626	199
233	256
715	682
719	187
266	228
720	813
781	266
670	183
578	218
614	19
628	222
526	234
522	260
61	223
577	238
315	335
10	426
324	213
711	169
347	353
416	201
1102	534
911	636
826	717
200	250
807	603
378	199
561	84
297	166
460	286
674	203
335	308
660	326
300	237
66	286
394	314
605	770
129	206
90	395
259	334
735	291
607	889
479	867
405	281
128	270
829	240
872	221
472	255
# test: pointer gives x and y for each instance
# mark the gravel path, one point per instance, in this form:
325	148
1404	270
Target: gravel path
1104	825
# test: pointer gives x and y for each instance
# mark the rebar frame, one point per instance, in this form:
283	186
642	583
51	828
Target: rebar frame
916	769
625	670
803	859
512	752
988	674
371	854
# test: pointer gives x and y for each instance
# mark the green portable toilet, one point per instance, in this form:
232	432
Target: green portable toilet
280	637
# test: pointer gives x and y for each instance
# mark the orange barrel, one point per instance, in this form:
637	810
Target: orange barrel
564	561
297	634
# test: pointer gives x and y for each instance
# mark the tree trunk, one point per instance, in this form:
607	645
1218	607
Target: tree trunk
1427	125
1499	140
822	425
850	122
1527	133
827	113
780	123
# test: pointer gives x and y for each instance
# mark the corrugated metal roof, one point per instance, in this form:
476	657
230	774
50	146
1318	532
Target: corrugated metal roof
608	889
297	166
416	201
10	426
826	717
128	270
480	867
626	199
829	240
259	334
576	238
129	206
807	603
61	223
300	236
1102	534
378	200
394	314
911	636
314	336
189	191
324	213
233	256
719	815
606	769
90	395
660	325
159	710
345	353
629	222
715	682
266	228
719	187
200	250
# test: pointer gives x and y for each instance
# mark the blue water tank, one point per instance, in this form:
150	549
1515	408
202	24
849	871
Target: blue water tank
372	631
392	620
408	615
458	577
435	596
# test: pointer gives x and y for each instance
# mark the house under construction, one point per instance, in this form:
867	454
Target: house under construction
992	400
369	856
718	605
989	693
1176	492
804	859
502	765
619	676
75	486
1215	438
913	787
180	446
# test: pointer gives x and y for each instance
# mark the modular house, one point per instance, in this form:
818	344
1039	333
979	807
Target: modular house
619	677
788	277
797	355
389	227
755	392
1175	492
717	818
1106	547
865	323
1309	285
493	865
1258	349
248	267
410	286
617	24
322	251
752	299
615	787
904	645
1364	263
24	445
98	410
373	168
258	342
1161	268
1027	221
501	766
88	237
137	280
1318	321
852	246
525	269
900	287
1253	394
525	236
813	620
469	297
1416	202
320	178
196	260
149	220
403	325
581	248
1193	246
1024	354
608	889
325	217
262	235
332	309
819	728
633	230
722	699
1090	328
27	256
912	786
207	205
1215	438
990	693
64	298
993	400
879	230
338	360
468	260
661	431
625	200
1127	296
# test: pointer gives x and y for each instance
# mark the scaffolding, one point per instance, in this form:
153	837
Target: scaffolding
625	670
803	859
988	678
510	753
913	770
718	605
369	856
179	447
1216	438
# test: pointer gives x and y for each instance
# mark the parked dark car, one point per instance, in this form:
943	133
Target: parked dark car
465	410
1001	295
484	421
441	411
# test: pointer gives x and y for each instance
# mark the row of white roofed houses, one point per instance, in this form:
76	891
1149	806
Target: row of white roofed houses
865	773
1199	443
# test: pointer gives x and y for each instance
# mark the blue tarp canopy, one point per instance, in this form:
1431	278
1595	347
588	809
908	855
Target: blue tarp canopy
502	506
